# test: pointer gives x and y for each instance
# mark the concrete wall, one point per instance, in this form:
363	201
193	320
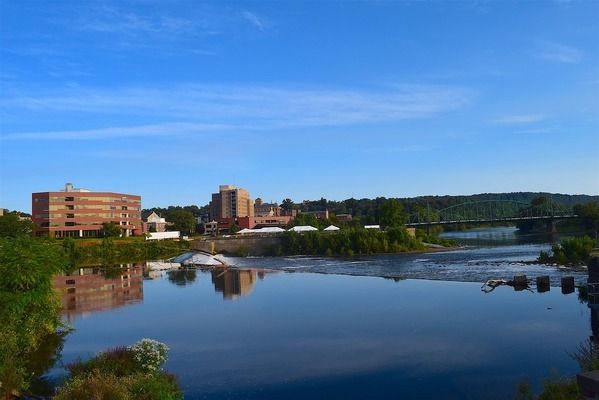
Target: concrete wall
254	246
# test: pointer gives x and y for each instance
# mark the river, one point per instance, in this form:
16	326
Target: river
412	326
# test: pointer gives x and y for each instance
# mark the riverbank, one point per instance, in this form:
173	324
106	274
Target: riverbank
346	242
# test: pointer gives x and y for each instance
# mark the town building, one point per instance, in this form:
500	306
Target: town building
263	222
211	228
154	223
344	217
262	209
321	214
75	212
231	202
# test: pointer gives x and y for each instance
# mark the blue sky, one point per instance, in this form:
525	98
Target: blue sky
169	99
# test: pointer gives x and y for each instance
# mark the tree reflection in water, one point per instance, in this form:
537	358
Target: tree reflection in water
182	277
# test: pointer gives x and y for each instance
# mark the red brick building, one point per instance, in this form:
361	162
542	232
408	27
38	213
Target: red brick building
262	222
81	213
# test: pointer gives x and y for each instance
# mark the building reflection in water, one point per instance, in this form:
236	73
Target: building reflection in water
233	283
88	290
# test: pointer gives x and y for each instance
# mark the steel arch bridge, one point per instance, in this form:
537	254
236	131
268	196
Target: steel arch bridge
486	211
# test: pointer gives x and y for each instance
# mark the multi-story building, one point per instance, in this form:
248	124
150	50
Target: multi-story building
231	202
262	209
77	212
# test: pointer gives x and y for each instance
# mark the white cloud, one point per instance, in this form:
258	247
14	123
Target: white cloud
254	19
559	53
235	107
167	129
519	119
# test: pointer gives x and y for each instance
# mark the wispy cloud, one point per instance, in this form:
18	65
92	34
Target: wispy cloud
519	119
559	53
112	20
258	22
535	131
239	107
166	129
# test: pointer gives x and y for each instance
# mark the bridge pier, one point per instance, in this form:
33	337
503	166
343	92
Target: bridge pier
551	226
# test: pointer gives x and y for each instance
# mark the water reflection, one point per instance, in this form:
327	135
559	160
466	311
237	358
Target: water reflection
88	290
182	277
498	236
233	283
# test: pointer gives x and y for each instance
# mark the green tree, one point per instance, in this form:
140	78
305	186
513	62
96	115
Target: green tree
110	229
589	215
181	220
287	205
28	306
391	214
11	225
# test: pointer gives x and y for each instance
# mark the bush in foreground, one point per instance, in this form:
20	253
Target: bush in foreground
123	373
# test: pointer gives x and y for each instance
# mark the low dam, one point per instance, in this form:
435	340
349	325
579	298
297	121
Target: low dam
252	246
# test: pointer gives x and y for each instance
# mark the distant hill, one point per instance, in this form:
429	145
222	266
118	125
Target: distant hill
367	209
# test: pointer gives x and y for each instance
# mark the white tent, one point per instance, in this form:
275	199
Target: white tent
303	228
269	229
372	227
245	230
331	228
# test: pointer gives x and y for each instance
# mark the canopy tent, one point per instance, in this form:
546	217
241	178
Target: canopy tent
331	228
303	228
270	229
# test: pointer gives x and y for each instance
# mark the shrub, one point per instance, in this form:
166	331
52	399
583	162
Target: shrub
149	354
123	373
95	385
99	385
154	387
119	361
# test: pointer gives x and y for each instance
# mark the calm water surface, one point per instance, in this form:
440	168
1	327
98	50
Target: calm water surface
255	334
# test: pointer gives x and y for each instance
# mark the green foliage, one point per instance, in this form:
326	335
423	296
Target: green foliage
571	251
589	216
287	205
94	385
11	225
544	258
110	252
110	229
28	306
560	389
128	373
118	361
392	214
348	242
553	389
182	220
